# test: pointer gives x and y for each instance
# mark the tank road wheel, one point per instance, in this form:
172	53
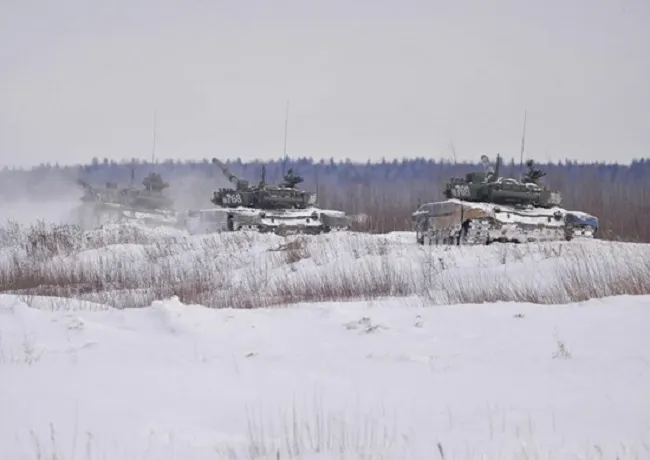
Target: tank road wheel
282	230
439	239
461	236
448	238
427	238
568	232
421	236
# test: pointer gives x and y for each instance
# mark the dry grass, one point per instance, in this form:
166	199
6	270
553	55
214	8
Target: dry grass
322	434
129	266
300	432
297	433
578	276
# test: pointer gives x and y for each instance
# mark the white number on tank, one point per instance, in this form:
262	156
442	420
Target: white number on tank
460	191
233	198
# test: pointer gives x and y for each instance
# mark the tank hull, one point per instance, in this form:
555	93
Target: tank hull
91	215
455	221
309	221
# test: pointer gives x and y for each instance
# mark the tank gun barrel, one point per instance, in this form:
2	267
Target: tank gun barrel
231	177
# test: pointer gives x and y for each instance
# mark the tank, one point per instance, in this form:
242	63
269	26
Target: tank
484	207
279	208
114	203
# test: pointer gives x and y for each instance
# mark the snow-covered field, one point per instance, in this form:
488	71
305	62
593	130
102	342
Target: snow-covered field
388	378
366	346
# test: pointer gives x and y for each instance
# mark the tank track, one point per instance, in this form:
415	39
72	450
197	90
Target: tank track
284	230
485	231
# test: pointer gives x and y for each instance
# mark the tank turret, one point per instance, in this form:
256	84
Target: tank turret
488	186
152	196
154	183
262	196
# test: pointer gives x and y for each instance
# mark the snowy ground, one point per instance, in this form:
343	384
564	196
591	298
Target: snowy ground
389	378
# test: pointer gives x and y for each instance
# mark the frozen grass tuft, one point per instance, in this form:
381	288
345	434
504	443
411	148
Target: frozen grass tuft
323	436
293	433
297	433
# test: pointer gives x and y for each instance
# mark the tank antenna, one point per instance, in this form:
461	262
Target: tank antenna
521	154
153	147
453	150
286	124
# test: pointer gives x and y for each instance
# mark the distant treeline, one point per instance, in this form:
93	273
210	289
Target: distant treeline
387	191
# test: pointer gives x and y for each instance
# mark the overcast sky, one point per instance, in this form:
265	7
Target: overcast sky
365	78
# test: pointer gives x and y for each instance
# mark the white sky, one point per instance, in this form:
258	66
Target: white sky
366	79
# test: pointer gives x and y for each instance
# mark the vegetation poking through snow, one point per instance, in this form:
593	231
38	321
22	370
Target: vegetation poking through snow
131	266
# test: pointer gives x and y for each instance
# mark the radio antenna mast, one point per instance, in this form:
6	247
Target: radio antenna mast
286	125
453	151
523	140
153	148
